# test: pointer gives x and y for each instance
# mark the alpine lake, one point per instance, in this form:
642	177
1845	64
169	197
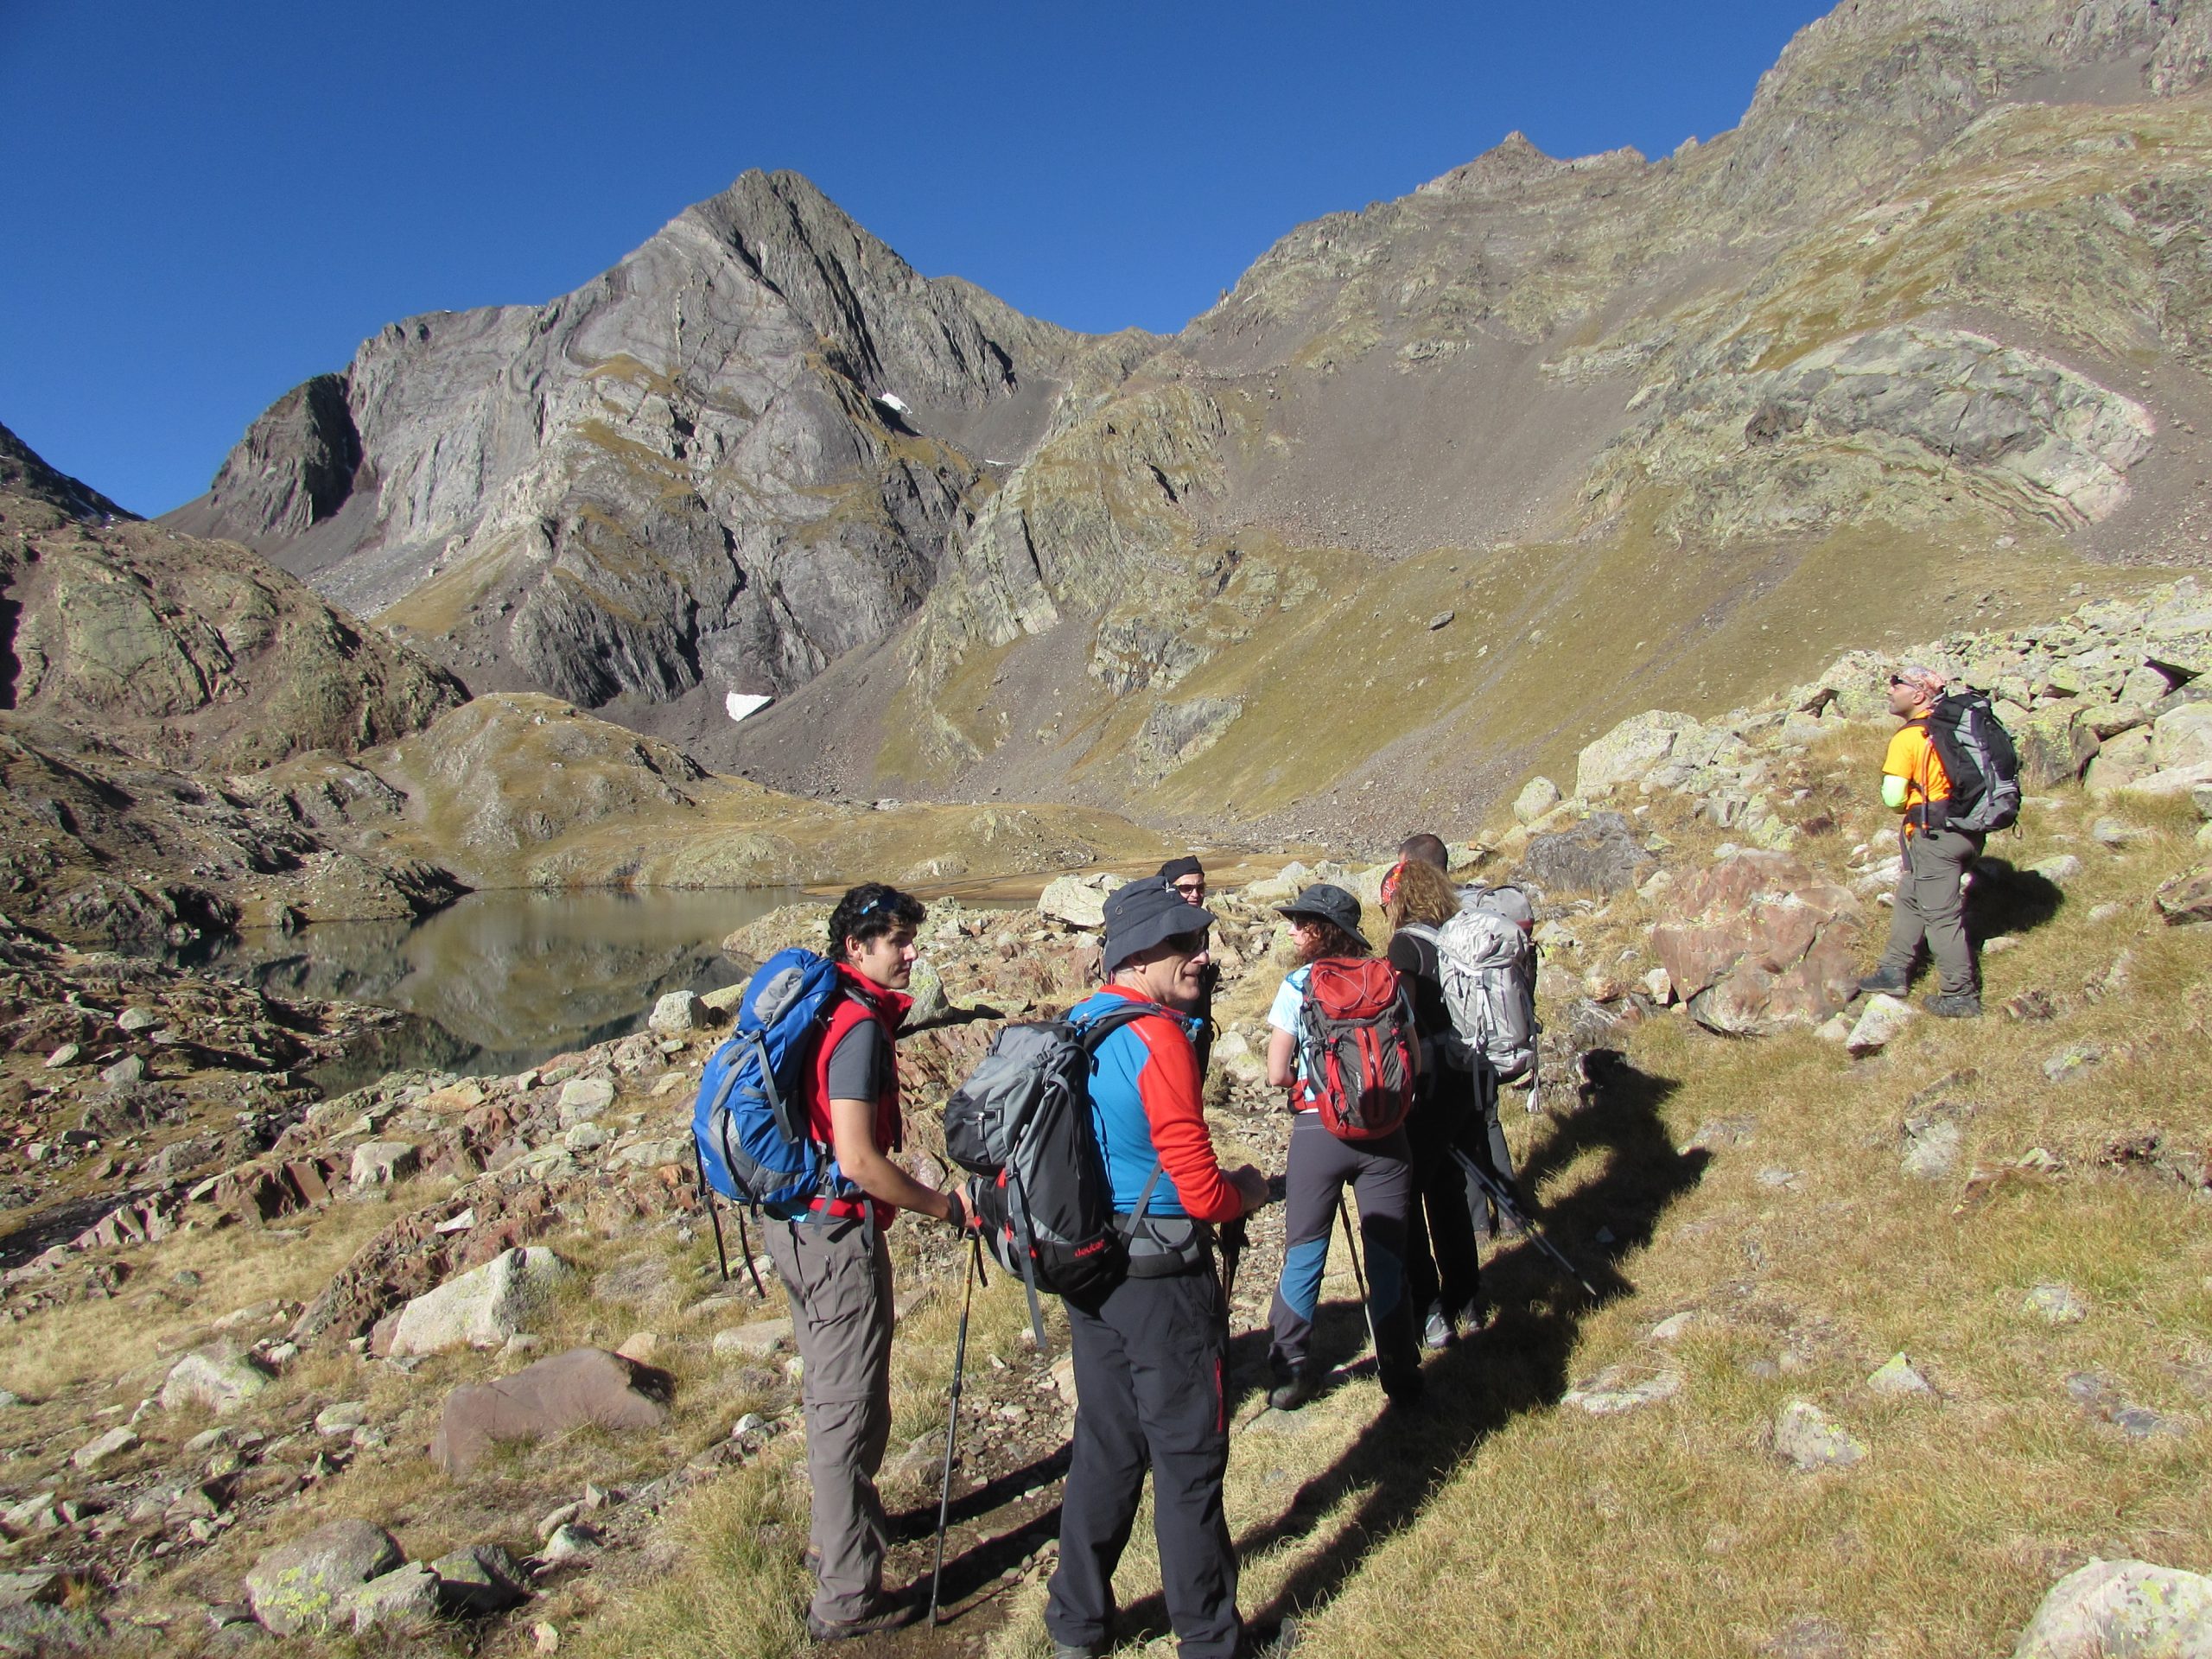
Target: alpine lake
498	981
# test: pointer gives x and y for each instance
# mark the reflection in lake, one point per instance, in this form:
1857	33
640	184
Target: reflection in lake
499	981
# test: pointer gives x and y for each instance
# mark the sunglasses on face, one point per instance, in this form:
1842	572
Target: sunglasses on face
1190	889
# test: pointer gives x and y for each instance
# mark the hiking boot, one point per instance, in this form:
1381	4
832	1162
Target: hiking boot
1954	1005
1883	983
889	1613
1076	1650
1295	1389
1437	1333
1403	1389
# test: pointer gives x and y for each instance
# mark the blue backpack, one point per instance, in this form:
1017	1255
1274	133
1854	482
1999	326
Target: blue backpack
749	1126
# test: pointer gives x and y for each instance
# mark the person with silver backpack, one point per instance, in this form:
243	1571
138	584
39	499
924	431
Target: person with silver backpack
1486	968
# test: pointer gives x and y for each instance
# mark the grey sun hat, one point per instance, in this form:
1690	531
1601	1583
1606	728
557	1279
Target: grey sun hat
1328	901
1146	912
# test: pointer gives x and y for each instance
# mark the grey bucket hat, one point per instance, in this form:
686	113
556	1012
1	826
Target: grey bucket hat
1144	914
1328	901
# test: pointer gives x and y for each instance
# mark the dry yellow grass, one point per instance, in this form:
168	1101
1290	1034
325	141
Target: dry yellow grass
66	1347
1498	1521
1675	1529
733	1582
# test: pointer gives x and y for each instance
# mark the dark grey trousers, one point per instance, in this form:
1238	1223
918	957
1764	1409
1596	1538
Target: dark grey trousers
1148	1395
1442	1268
1315	1173
837	1275
1930	905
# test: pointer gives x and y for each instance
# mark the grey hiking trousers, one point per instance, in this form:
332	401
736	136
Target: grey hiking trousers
838	1276
1931	907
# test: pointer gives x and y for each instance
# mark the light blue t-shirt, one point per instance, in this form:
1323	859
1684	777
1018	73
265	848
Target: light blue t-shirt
1284	1014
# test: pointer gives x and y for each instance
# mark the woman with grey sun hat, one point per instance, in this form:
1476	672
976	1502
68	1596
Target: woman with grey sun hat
1325	923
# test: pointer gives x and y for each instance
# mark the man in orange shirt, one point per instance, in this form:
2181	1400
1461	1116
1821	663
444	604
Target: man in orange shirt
1931	894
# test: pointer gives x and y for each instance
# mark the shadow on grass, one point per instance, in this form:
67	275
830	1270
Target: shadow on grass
1519	1364
2008	900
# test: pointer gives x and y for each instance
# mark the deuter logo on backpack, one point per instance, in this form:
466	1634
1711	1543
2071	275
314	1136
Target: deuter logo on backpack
1486	964
1355	1035
749	1122
1980	762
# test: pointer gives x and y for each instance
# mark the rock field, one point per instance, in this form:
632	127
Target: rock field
448	1268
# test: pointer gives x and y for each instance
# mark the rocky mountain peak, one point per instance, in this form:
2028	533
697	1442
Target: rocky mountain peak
1876	85
295	466
23	473
711	471
1947	280
1514	163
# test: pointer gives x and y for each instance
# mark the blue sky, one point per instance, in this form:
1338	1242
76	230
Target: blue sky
209	203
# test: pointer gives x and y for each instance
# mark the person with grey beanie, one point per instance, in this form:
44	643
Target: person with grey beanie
1149	1353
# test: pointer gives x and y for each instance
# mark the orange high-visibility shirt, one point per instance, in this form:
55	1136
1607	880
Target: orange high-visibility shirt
1912	756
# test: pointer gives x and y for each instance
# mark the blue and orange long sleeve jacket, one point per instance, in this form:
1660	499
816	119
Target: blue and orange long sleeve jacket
1146	1105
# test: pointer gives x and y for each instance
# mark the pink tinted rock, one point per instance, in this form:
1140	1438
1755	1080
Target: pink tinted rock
585	1385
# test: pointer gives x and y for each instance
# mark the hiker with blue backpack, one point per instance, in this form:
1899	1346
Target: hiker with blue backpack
1344	1045
1151	1340
797	1116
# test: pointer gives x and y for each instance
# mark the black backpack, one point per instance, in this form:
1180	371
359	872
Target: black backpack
1024	1119
1979	759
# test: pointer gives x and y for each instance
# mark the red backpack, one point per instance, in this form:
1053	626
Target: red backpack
1356	1031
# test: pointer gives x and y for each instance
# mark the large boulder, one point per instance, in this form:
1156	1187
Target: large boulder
479	1578
679	1013
2122	1609
383	1163
1630	751
1757	942
404	1599
2173	780
1537	797
2182	736
220	1379
2185	900
1599	854
1078	900
2056	746
583	1386
481	1308
298	1586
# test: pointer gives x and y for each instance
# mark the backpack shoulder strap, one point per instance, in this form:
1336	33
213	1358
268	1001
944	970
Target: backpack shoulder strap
1093	1029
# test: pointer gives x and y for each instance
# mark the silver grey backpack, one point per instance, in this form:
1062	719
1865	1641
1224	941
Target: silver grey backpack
1486	965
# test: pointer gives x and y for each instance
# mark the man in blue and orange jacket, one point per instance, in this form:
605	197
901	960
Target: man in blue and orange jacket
1149	1354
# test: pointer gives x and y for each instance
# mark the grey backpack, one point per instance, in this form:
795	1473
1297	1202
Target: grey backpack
1486	965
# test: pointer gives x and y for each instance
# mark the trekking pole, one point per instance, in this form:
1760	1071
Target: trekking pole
1233	1240
952	1420
706	1197
1513	1212
1359	1275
